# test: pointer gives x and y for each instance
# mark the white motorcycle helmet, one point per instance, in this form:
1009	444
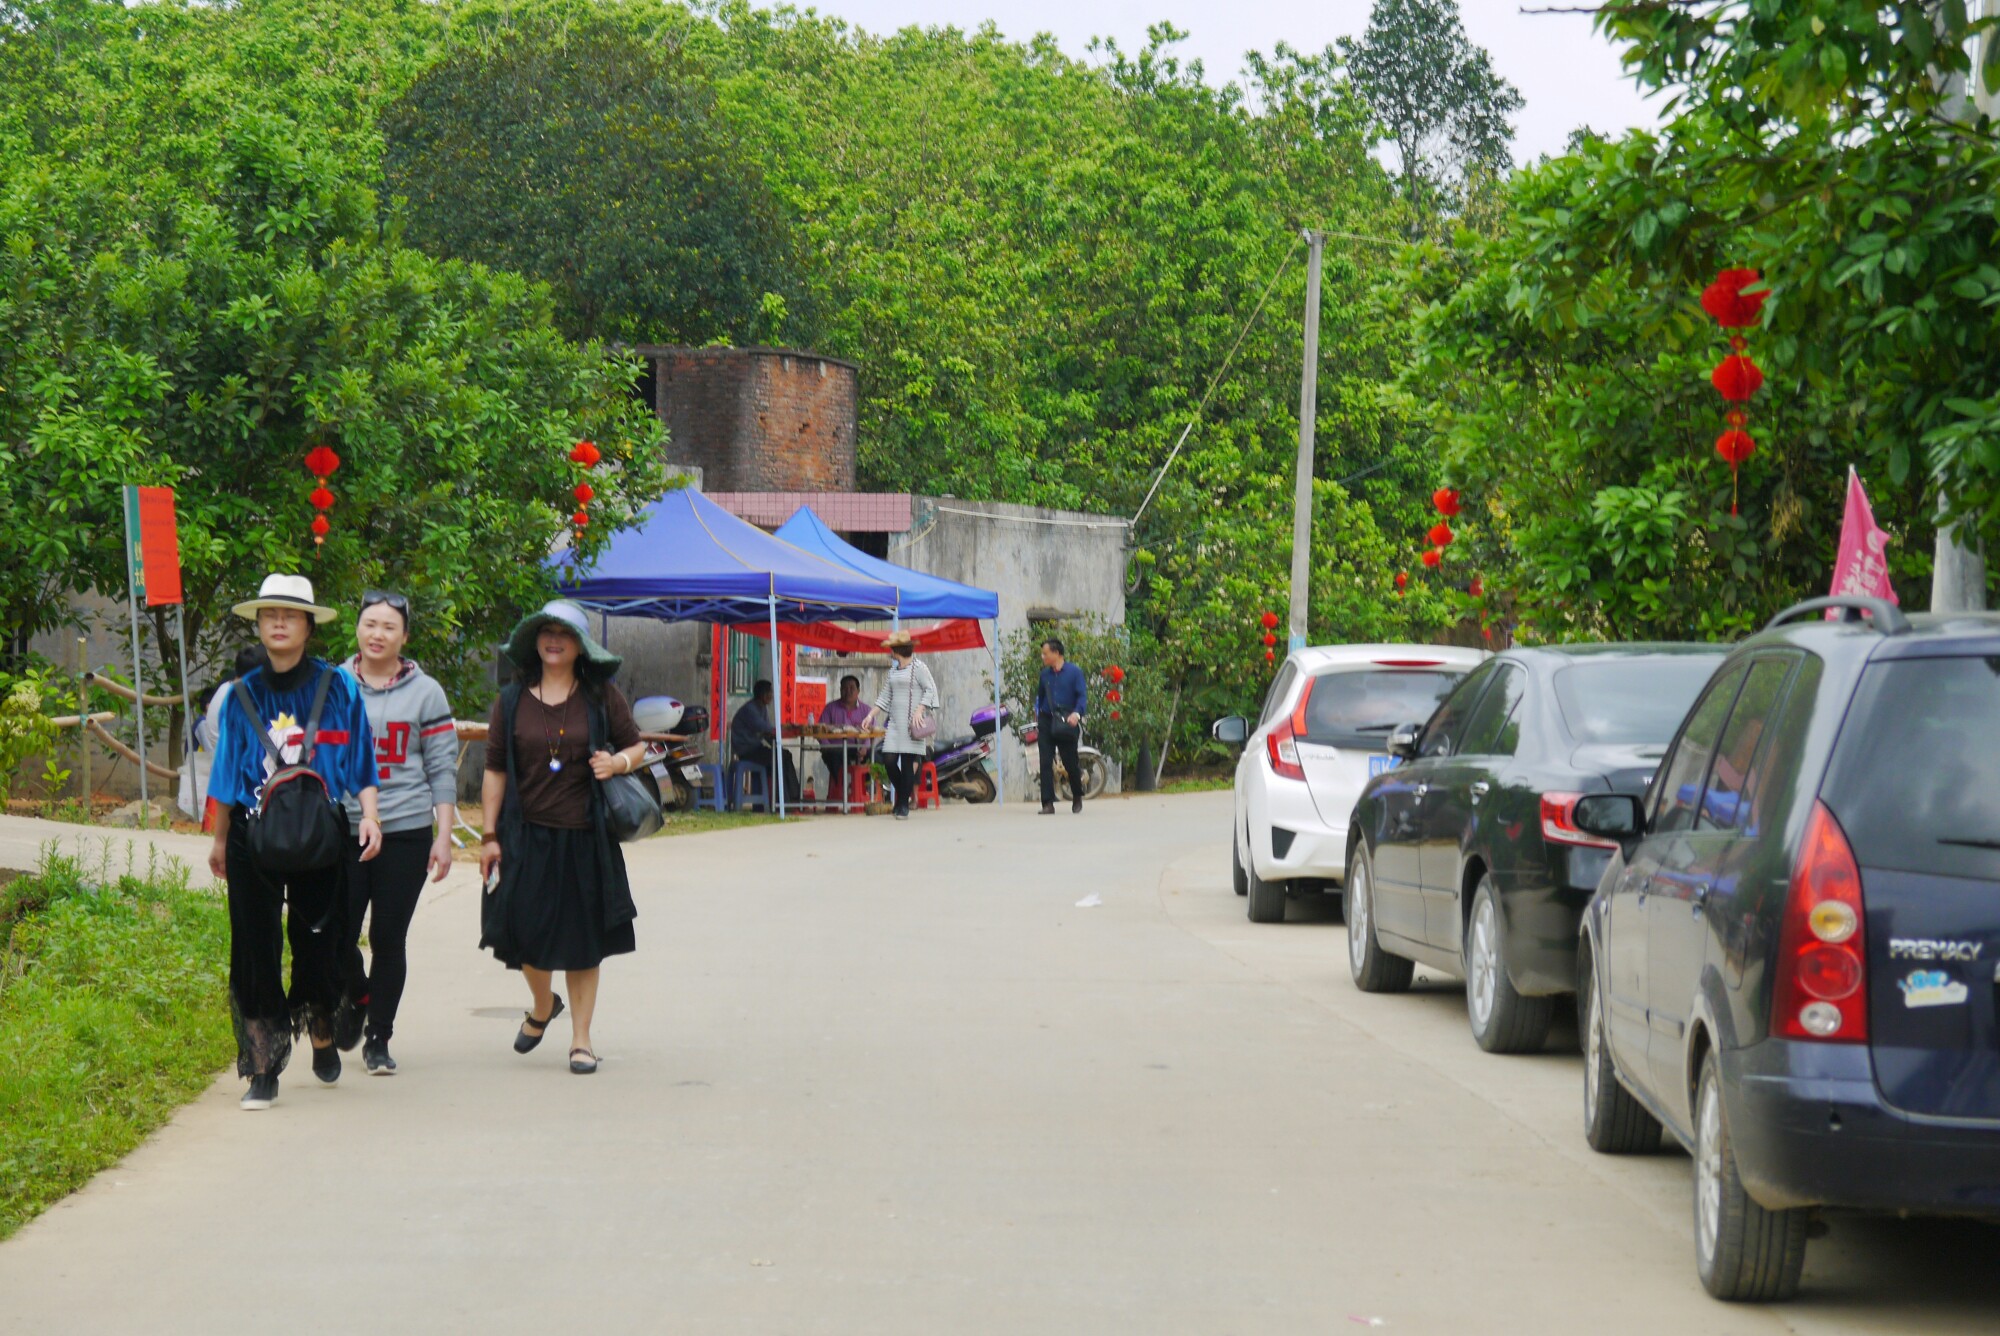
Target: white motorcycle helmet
657	714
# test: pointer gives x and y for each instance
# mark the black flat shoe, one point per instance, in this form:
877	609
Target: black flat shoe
348	1018
1076	804
1048	809
525	1042
582	1066
326	1064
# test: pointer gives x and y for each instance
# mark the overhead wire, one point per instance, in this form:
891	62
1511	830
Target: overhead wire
1216	380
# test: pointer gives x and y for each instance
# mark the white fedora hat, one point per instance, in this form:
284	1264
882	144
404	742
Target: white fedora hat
285	591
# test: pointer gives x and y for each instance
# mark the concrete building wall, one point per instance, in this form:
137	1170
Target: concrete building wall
758	419
1042	563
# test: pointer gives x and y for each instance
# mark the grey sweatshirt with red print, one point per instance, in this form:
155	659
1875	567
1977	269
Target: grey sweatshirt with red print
416	747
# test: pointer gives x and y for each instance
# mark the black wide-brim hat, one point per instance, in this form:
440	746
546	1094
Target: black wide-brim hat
595	659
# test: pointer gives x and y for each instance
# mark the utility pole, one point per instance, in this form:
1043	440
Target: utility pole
1302	486
1958	570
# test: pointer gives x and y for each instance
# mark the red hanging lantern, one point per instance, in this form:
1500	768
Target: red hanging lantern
1431	558
321	498
1446	501
1270	621
319	528
1270	655
1114	673
1440	534
1116	715
1728	304
1270	639
1114	695
585	453
581	518
1478	588
1735	446
1402	581
321	461
584	493
1737	378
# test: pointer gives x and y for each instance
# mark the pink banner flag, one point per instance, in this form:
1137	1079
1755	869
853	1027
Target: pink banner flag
1862	567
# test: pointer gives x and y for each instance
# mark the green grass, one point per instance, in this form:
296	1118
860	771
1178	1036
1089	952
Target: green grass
1198	783
114	1011
701	822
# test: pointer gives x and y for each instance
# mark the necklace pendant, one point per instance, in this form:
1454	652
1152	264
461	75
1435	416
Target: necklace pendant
555	766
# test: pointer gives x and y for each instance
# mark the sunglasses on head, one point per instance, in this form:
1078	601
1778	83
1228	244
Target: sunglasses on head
378	597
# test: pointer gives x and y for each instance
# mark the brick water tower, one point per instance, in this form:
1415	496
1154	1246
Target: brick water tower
756	419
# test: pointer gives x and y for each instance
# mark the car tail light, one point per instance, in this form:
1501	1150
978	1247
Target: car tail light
1281	744
1822	984
1559	823
1409	663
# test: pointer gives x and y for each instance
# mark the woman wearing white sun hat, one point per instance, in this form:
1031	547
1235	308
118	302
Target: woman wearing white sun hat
280	697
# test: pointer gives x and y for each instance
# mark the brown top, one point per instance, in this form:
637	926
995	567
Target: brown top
558	798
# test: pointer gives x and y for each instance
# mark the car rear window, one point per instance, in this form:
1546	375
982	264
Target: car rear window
1358	709
1913	777
1626	701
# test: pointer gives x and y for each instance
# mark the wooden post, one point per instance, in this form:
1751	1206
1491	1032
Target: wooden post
83	724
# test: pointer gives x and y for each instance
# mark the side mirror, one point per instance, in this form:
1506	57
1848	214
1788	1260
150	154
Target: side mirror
1234	730
1609	816
1403	741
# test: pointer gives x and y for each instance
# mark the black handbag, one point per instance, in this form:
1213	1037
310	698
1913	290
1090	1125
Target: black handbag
631	801
295	825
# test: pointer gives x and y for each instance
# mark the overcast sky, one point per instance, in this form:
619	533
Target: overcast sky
1567	74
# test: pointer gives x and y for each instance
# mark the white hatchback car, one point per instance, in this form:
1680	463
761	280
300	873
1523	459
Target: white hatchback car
1323	733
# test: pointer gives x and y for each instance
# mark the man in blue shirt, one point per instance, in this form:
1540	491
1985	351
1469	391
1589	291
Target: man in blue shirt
1061	698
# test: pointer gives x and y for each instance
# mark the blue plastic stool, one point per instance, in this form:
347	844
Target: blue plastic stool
718	792
757	789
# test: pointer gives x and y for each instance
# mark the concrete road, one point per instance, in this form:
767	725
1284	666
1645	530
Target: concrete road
875	1078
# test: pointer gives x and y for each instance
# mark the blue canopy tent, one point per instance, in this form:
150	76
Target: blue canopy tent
688	559
918	594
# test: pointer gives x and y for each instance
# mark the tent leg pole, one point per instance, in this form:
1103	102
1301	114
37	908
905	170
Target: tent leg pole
999	741
777	710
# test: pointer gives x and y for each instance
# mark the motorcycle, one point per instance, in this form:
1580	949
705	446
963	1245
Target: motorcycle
1090	760
674	757
961	762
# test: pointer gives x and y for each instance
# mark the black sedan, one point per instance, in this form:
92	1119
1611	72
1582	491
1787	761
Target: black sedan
1465	856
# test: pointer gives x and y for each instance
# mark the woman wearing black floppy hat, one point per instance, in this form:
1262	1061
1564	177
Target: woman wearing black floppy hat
556	897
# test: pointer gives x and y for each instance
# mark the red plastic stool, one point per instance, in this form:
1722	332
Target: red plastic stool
861	786
927	787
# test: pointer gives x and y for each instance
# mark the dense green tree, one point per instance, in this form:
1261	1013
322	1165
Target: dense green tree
1435	95
201	321
1816	142
596	161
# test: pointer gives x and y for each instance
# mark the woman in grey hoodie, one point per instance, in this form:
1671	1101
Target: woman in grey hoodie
416	765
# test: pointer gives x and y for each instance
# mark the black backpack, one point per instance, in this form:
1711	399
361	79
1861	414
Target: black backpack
295	826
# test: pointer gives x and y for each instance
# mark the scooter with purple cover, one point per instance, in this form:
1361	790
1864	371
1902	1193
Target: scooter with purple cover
961	762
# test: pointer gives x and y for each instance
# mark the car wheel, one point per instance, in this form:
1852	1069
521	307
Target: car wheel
1267	898
1741	1250
1503	1021
1237	874
1614	1122
1374	970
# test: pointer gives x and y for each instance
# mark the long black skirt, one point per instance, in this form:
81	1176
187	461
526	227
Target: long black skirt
548	910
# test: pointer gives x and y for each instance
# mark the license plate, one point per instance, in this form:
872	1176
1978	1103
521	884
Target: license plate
1382	765
692	774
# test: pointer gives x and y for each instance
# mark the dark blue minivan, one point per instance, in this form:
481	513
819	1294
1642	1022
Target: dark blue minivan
1793	962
